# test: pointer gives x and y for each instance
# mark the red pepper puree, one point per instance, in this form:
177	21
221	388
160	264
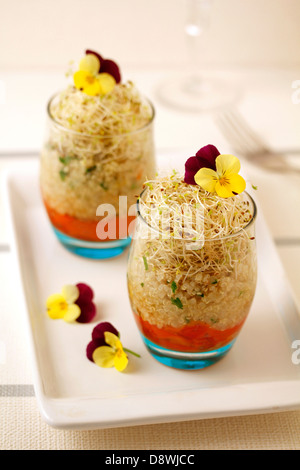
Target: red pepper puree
193	337
85	229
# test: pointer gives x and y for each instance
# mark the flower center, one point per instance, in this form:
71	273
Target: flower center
90	79
62	306
119	352
223	181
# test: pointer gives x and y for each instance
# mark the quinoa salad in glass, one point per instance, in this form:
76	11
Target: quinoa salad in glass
99	146
191	285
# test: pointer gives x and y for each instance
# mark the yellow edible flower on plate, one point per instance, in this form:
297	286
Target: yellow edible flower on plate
225	181
112	355
62	306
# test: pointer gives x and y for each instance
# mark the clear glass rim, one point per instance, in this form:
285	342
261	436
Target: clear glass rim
226	237
96	136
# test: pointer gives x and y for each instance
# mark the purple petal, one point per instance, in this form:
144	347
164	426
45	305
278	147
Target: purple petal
92	346
209	153
88	311
109	66
204	158
86	294
191	168
99	330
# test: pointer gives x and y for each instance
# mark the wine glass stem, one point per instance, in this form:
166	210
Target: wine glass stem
198	16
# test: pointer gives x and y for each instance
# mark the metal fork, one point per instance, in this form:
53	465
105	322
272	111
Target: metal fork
246	142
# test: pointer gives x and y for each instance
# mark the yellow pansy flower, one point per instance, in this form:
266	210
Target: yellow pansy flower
62	306
112	355
89	80
225	181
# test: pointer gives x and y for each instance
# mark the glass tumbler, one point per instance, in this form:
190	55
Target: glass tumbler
190	303
89	184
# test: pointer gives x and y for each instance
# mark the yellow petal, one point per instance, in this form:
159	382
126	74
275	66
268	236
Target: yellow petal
120	360
56	306
80	78
106	82
112	340
237	183
72	313
87	83
55	314
207	179
90	63
70	293
223	190
227	186
54	299
104	356
227	164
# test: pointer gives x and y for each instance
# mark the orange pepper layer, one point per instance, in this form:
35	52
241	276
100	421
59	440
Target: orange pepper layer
83	229
193	337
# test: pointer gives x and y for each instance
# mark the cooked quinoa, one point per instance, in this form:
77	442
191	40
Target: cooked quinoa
172	282
98	148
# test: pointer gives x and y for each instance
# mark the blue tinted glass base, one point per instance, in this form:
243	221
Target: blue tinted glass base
184	360
93	250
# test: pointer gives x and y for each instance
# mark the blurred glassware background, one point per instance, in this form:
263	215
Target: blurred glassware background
251	44
49	33
194	90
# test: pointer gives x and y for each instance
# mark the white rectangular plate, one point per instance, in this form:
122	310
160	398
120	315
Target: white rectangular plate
257	376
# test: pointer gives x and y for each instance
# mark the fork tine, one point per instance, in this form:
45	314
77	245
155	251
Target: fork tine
240	135
239	122
247	143
231	135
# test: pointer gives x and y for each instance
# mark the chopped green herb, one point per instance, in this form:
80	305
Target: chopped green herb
103	186
142	284
187	320
177	302
200	294
66	160
173	287
213	320
62	175
90	169
254	187
215	281
145	263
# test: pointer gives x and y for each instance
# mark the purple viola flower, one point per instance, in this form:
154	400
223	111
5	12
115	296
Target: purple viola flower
98	338
204	158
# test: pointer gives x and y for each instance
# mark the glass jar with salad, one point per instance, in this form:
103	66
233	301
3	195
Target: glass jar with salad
98	151
192	265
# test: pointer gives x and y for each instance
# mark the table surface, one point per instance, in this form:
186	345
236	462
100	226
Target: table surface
267	103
